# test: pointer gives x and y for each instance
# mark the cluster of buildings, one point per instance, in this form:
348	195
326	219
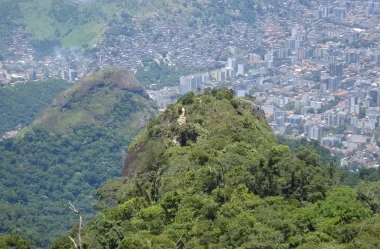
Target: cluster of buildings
19	62
69	75
192	82
321	82
82	1
316	74
17	53
234	68
182	45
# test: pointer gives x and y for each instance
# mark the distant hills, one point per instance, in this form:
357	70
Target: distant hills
71	24
75	145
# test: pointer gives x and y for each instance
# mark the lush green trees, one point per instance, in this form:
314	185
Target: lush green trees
35	95
157	76
43	171
46	47
206	173
368	175
10	13
14	241
220	180
295	145
369	194
68	152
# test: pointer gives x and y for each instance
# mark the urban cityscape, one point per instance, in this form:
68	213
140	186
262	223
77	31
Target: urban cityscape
316	76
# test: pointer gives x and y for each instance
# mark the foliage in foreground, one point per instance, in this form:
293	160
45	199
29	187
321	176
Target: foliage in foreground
208	173
14	241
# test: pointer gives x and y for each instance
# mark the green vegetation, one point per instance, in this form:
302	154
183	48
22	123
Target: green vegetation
35	95
290	106
156	76
368	175
14	241
68	23
73	147
296	144
336	130
45	47
208	173
330	104
91	101
10	15
221	14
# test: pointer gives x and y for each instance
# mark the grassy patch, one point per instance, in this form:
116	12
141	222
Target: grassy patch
85	27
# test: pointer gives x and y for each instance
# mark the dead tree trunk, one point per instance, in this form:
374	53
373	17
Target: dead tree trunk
79	245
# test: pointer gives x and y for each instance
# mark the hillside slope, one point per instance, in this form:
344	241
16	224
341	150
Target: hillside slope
95	100
75	145
208	173
70	24
35	95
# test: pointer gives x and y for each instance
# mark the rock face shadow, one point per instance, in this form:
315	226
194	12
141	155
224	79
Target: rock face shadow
129	170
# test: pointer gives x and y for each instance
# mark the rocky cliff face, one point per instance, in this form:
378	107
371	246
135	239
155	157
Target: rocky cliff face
92	100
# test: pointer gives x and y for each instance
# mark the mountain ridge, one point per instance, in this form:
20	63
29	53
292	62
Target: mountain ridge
71	149
103	85
243	108
209	173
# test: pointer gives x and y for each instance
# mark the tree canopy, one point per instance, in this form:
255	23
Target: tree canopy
208	173
70	150
35	95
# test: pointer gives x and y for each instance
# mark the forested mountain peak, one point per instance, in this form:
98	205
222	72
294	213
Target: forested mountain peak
210	122
74	146
114	77
91	100
208	173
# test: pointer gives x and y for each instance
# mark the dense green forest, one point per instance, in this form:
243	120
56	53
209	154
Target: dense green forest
10	14
156	76
324	154
73	148
208	173
14	241
35	97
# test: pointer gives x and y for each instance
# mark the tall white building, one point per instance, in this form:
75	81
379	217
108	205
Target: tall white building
231	63
240	69
294	32
254	58
314	132
192	82
306	99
